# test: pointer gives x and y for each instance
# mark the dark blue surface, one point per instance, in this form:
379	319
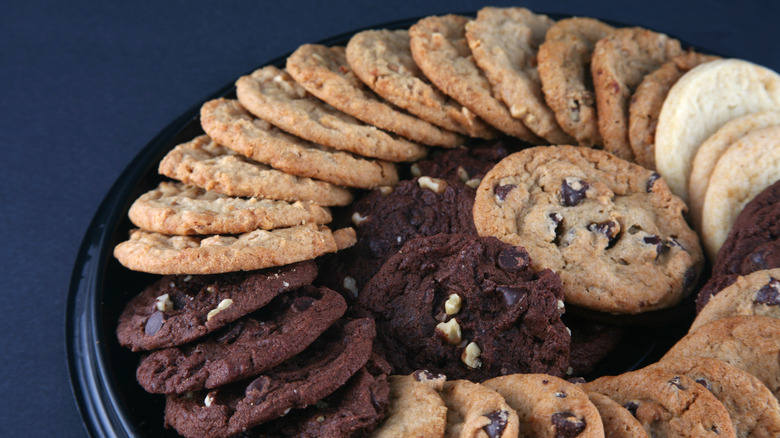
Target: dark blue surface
84	86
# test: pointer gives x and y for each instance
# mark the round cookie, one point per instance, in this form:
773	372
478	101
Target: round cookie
272	95
591	342
463	165
710	151
757	293
203	163
754	411
564	70
175	310
548	407
324	72
611	229
157	253
474	410
753	244
745	169
467	307
618	421
666	403
647	100
177	208
416	408
699	103
504	43
383	60
230	125
749	342
440	50
250	346
300	382
619	63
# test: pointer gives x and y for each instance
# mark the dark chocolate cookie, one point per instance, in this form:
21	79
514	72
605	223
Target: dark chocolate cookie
298	383
385	221
250	346
468	307
753	244
181	308
591	342
465	164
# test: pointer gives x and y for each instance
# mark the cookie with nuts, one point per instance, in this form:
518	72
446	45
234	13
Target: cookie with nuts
300	382
247	347
178	309
610	228
467	307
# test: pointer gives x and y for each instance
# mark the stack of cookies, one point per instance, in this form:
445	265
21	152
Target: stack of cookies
425	232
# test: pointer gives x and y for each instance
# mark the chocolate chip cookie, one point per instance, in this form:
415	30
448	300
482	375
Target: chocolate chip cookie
611	229
467	307
475	410
416	407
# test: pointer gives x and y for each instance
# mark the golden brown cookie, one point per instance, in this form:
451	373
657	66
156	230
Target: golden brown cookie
230	125
757	293
474	410
440	49
564	70
504	43
383	60
749	342
548	406
177	208
618	421
205	164
324	72
620	61
666	403
754	411
610	228
157	253
272	95
646	102
416	409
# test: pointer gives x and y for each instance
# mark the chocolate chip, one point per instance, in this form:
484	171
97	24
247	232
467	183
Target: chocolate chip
769	294
513	259
655	240
689	278
704	383
573	191
560	394
567	424
651	181
610	229
497	423
512	295
757	261
632	406
557	221
257	391
301	304
154	323
231	334
676	383
576	380
503	191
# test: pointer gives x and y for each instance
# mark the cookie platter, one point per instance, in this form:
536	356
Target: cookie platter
103	372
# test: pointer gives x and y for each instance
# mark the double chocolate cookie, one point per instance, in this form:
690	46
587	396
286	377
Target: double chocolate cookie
468	307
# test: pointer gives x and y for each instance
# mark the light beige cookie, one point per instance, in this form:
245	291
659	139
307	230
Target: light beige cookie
474	410
157	253
646	102
754	411
746	168
440	49
205	164
618	421
383	60
564	70
757	293
504	43
619	62
271	94
416	409
230	125
710	151
748	342
548	406
666	403
699	103
177	208
324	72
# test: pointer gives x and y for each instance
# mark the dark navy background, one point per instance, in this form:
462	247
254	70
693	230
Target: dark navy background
84	85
